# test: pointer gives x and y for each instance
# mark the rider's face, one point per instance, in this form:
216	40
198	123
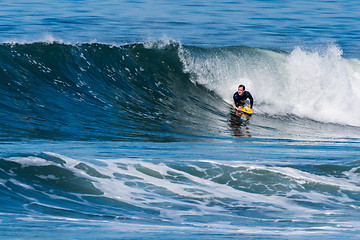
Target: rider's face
240	91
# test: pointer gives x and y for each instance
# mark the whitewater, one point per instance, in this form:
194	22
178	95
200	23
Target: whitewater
117	120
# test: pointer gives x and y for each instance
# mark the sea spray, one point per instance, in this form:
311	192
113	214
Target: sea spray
320	85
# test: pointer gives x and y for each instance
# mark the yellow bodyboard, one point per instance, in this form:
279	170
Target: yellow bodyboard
246	109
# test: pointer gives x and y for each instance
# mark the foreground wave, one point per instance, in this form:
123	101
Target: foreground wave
194	194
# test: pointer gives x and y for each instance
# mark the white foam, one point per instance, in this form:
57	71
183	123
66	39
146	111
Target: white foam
45	38
303	177
148	185
146	192
160	43
321	85
30	161
324	86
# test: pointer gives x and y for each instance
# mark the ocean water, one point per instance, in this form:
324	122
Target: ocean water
116	120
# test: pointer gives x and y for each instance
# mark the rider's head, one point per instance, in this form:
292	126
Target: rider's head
241	89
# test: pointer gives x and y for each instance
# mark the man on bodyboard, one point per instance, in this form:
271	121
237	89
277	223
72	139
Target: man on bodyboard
239	100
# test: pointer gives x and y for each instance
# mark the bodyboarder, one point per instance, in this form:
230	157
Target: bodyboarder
240	96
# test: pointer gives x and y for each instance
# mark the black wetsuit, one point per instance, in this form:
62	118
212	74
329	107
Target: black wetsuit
240	100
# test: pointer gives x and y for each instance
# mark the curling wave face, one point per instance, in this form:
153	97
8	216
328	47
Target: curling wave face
59	91
164	91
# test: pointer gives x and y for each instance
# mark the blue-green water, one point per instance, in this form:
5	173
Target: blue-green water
116	120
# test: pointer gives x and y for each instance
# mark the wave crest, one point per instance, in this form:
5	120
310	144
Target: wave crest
320	85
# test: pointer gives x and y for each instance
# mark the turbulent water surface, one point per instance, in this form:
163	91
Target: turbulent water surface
116	120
